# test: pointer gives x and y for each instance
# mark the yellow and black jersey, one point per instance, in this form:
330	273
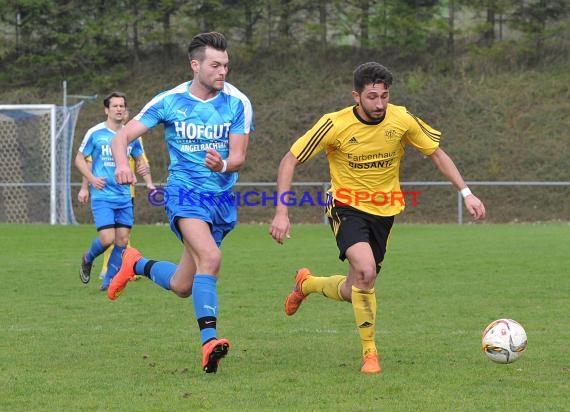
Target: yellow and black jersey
364	157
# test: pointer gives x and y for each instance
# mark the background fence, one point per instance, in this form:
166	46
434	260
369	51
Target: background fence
437	202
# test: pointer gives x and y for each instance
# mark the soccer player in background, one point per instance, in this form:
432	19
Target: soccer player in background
111	203
364	145
207	123
143	170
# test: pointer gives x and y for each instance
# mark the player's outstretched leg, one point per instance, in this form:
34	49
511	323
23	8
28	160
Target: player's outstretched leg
212	352
296	297
125	273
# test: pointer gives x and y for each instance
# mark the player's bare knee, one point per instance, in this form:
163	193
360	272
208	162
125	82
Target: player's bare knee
184	293
210	262
183	290
122	241
364	277
107	240
367	283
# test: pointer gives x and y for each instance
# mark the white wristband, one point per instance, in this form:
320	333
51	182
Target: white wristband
465	192
225	166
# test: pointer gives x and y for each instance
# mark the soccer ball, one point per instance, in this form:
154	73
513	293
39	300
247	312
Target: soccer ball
504	341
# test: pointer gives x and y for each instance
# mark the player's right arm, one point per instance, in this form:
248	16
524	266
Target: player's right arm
83	195
280	226
305	148
132	130
84	168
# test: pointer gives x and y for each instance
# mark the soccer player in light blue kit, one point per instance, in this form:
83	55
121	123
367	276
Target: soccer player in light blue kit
206	125
111	203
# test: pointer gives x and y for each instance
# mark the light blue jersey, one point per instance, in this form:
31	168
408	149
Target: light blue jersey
191	126
97	144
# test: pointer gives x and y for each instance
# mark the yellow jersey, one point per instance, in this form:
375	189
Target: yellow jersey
364	157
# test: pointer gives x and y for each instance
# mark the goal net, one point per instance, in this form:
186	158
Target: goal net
35	163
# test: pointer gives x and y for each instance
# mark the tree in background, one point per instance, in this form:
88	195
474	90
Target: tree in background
100	40
539	21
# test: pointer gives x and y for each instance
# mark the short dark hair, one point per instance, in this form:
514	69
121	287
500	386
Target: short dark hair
199	43
371	73
107	100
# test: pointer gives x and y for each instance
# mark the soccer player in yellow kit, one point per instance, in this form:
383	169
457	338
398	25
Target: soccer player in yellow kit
364	145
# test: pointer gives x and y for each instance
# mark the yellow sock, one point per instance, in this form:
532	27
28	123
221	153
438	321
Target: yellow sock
106	256
364	305
328	286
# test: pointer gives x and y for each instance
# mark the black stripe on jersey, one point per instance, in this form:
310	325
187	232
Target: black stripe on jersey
433	136
314	141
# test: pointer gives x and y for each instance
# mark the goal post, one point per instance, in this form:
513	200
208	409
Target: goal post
35	163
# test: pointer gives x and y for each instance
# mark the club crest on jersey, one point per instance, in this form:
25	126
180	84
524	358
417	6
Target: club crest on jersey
390	135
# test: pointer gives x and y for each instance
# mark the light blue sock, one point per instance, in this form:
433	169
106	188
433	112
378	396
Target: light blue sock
205	299
95	250
159	272
114	264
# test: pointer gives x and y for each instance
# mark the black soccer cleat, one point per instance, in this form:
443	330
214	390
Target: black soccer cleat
85	270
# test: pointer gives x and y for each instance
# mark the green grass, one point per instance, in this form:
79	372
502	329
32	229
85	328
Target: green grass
64	346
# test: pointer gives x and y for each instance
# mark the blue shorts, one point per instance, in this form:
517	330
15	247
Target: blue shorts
112	213
219	211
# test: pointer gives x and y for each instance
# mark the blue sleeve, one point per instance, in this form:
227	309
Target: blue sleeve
137	149
238	124
153	112
87	146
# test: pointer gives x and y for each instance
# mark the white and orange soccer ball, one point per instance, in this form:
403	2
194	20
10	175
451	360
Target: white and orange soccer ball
504	341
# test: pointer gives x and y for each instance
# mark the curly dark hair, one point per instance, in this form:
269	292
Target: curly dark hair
371	73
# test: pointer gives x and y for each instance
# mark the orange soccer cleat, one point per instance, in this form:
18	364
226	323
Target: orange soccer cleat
296	297
371	364
212	352
125	273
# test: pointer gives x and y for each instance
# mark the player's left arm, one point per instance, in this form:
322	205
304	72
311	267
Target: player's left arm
236	157
447	167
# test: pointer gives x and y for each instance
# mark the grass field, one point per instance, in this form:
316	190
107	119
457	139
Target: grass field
64	346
